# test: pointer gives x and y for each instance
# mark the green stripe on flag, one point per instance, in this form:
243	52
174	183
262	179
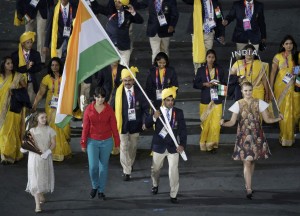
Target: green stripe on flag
95	58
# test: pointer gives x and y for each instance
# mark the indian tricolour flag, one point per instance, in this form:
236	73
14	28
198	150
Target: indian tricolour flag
89	50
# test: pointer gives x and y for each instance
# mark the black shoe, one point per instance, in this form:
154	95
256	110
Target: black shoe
249	194
93	193
174	200
101	196
154	190
213	151
126	177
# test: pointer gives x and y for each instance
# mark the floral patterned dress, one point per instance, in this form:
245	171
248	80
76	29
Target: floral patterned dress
251	143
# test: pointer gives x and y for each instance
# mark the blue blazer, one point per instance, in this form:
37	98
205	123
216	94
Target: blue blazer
170	80
35	57
141	110
60	38
159	144
169	8
23	7
258	24
201	78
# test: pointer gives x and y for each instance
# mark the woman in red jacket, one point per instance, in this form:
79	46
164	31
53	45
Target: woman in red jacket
99	126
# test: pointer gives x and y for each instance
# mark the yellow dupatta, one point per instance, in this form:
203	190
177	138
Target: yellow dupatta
55	30
198	39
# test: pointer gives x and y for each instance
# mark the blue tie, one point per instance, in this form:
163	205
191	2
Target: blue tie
168	115
120	19
157	5
249	11
26	58
130	98
65	16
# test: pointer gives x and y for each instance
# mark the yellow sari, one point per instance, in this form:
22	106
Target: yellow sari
62	148
210	134
288	100
10	122
253	75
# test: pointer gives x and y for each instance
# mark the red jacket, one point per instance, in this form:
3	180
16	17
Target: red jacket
99	126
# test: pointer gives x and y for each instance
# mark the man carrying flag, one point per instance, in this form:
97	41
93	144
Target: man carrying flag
163	145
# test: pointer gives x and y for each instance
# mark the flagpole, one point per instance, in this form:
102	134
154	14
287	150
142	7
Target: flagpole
227	86
183	155
270	87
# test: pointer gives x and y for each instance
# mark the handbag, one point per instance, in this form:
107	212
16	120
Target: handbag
29	144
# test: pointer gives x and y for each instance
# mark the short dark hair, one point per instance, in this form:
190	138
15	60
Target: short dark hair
100	91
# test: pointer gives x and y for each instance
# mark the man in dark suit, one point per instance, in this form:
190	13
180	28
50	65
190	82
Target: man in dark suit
163	17
28	61
162	143
250	23
131	109
35	13
118	26
62	16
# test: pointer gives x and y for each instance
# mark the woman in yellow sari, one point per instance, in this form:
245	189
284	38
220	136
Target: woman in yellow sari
51	85
251	69
10	122
283	82
207	79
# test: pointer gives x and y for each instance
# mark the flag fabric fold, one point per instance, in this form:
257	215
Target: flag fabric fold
89	50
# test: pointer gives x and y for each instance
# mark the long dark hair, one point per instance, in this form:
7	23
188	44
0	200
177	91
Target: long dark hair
295	53
2	67
61	68
211	51
159	56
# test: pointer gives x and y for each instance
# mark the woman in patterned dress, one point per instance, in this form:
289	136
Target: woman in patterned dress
51	85
247	112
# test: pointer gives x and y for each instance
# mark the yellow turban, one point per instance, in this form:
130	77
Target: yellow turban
118	98
24	37
124	2
169	91
126	73
27	36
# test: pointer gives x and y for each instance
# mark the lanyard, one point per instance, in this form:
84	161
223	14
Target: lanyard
173	120
207	74
211	6
70	13
245	65
114	75
112	16
157	76
53	85
286	56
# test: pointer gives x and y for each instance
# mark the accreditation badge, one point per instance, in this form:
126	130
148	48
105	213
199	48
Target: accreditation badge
163	133
247	24
214	94
34	3
161	19
211	23
67	31
296	70
158	94
287	78
54	102
131	115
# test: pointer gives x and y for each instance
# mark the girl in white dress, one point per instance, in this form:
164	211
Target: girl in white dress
40	167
